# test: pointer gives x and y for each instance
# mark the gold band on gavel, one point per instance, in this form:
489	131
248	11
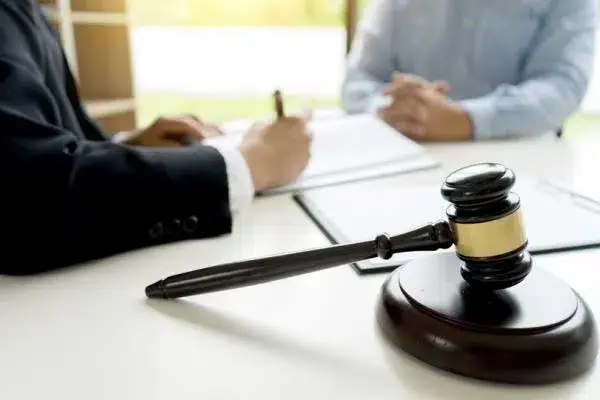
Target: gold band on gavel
489	239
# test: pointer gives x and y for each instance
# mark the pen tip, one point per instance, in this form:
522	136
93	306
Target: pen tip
155	291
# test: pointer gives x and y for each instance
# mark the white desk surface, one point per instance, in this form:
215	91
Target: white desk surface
88	332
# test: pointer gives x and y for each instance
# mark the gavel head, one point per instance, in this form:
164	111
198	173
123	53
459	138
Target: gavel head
487	226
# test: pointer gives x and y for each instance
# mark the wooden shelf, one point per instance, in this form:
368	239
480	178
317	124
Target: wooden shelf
119	6
96	39
94	17
105	108
102	53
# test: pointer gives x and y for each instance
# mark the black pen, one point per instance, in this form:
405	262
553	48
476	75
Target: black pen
278	104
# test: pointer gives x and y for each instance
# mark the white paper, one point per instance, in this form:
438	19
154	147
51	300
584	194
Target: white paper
397	167
355	142
349	148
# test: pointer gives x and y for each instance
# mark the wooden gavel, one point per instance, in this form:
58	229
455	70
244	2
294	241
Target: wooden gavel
471	312
484	223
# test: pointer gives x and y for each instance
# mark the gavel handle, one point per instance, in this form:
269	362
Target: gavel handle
250	272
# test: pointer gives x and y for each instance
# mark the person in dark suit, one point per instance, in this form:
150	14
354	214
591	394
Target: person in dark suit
70	193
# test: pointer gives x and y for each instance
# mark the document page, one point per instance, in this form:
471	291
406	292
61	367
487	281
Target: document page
355	142
349	147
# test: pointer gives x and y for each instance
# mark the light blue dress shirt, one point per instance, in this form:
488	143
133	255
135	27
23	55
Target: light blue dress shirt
518	67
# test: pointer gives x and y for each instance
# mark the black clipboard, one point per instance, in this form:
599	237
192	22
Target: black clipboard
556	219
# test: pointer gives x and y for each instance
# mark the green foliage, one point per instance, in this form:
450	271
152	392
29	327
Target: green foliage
240	12
218	109
581	124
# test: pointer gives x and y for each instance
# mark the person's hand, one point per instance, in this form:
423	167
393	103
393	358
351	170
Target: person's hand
422	111
446	119
172	132
409	109
276	152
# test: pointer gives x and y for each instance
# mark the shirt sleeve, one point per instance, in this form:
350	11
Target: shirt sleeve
241	187
119	137
556	76
370	64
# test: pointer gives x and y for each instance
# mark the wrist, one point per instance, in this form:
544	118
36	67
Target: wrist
453	123
462	124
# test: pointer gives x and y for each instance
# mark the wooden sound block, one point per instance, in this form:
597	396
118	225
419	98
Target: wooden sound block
539	331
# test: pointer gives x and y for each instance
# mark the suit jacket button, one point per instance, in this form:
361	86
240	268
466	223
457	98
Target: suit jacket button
174	228
191	224
156	231
70	148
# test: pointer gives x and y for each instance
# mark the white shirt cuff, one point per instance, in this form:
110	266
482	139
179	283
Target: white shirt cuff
481	112
241	187
120	137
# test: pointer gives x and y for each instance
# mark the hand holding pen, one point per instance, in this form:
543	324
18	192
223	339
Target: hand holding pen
276	152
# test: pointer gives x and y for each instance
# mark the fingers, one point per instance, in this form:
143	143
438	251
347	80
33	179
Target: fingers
404	120
292	129
412	129
186	128
207	129
210	130
395	89
408	127
400	78
410	92
441	87
412	108
290	123
193	117
409	112
402	81
182	127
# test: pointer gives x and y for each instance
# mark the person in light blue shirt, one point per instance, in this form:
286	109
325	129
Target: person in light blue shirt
471	69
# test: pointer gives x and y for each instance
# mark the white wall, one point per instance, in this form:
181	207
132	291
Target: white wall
238	61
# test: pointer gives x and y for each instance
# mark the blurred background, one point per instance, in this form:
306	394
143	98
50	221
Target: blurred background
226	57
137	59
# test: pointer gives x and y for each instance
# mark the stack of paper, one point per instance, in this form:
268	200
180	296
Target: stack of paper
351	148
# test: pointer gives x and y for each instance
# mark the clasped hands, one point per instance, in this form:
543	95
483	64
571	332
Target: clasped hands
421	110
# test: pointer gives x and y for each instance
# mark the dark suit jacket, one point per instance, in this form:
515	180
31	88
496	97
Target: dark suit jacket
67	194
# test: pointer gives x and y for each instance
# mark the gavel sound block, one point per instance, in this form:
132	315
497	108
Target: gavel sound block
483	311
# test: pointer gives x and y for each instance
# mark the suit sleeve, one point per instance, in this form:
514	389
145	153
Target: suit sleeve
66	200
